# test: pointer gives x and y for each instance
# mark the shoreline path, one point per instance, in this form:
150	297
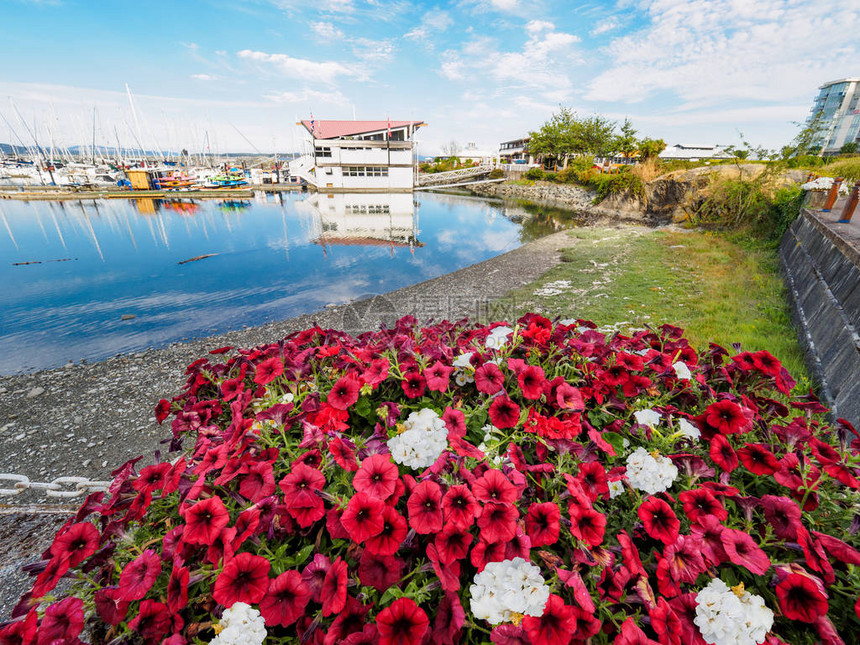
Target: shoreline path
86	419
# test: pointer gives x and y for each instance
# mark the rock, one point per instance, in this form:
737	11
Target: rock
36	391
129	316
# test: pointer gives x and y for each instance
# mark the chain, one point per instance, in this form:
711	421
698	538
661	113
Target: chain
62	487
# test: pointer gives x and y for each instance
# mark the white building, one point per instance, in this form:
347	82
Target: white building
687	152
836	114
359	156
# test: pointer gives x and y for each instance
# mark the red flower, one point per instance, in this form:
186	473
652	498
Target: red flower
453	543
554	627
592	478
379	571
177	589
63	621
666	623
448	573
204	521
402	623
685	559
498	522
245	578
376	372
708	530
531	380
438	376
259	482
77	543
152	477
766	363
110	608
684	607
725	416
659	520
460	507
723	454
455	421
350	621
630	634
758	459
800	598
493	486
139	575
701	502
542	523
314	575
504	413
425	508
569	398
393	532
268	371
152	621
450	619
489	378
299	486
344	393
413	384
587	524
509	634
362	518
377	477
334	588
743	550
782	514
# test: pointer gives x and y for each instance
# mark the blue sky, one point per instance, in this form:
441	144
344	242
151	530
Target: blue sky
483	71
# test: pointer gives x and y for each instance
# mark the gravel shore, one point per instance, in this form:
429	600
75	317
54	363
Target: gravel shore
85	419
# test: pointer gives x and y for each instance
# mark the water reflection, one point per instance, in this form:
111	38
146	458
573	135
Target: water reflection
137	273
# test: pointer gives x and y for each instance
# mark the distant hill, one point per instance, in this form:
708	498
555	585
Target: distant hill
109	151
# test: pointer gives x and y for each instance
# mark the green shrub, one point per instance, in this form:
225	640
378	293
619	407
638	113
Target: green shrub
497	173
534	174
550	176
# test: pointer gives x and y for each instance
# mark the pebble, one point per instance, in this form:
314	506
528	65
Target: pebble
36	391
128	316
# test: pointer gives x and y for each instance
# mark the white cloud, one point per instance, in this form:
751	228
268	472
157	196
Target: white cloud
431	23
711	51
504	5
372	51
204	77
326	30
326	72
604	26
308	96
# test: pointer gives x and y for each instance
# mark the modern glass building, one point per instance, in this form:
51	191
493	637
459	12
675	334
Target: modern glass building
836	111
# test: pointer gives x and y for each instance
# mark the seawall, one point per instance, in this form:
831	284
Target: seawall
821	262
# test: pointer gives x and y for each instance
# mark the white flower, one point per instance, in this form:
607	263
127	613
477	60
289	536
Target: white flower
241	625
498	337
681	370
687	429
463	360
647	417
616	488
731	616
424	438
650	474
506	588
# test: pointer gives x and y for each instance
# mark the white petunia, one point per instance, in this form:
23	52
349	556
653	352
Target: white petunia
647	417
616	488
682	371
731	616
506	588
650	474
687	429
423	440
241	625
498	337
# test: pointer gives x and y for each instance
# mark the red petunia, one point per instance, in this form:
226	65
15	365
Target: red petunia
455	421
402	623
152	621
334	588
542	523
493	486
344	393
453	543
743	550
139	575
314	575
489	378
801	598
666	623
438	376
349	626
393	532
498	522
258	482
343	453
504	413
685	559
299	486
450	619
204	521
630	634
569	398
379	571
110	608
413	384
766	363
659	520
177	589
782	514
592	478
245	578
758	459
268	370
708	530
425	508
362	517
531	380
460	507
587	525
701	502
376	372
377	477
727	417
63	621
723	454
78	542
554	627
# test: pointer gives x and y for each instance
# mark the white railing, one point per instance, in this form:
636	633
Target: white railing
453	176
303	167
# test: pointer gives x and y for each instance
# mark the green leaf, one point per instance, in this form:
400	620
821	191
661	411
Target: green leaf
615	440
363	407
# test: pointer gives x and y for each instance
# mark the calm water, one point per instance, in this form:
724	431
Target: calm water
71	271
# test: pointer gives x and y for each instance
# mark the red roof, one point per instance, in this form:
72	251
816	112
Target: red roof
335	129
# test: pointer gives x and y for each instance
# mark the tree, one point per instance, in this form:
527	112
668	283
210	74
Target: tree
451	149
848	148
596	136
566	134
650	148
625	141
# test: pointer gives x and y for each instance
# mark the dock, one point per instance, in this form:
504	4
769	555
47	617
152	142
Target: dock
53	193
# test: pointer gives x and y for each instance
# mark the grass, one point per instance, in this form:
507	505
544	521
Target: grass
718	289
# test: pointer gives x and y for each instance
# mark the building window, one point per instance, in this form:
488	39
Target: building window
365	171
323	152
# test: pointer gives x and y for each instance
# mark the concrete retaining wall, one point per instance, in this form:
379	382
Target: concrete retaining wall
822	273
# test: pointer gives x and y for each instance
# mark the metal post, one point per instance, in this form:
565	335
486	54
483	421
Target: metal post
832	195
850	205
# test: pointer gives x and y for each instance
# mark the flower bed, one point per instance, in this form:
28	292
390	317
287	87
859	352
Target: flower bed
541	483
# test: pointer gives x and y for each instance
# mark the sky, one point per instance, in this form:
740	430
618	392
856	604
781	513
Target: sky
237	75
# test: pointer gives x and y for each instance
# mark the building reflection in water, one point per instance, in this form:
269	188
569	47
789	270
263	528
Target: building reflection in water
363	219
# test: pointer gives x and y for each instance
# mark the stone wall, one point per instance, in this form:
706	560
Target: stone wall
822	273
